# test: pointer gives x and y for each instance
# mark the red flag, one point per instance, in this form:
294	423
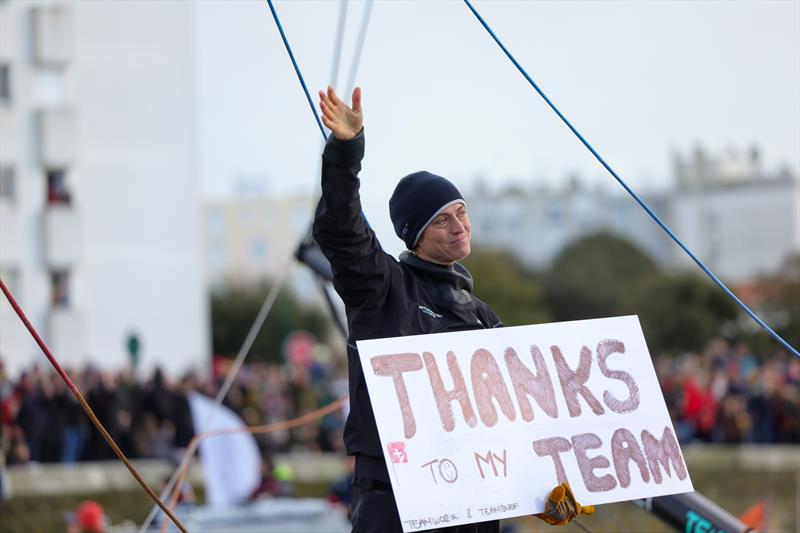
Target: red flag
756	516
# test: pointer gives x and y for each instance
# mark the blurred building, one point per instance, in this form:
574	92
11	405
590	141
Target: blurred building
100	228
250	237
740	220
537	224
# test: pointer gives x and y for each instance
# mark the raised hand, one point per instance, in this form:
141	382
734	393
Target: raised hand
343	121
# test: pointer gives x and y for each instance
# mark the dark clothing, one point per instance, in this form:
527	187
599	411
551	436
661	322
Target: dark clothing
184	427
383	298
372	507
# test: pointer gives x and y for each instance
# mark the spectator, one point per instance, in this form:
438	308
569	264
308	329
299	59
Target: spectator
89	518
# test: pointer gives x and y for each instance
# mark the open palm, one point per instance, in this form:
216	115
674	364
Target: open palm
343	121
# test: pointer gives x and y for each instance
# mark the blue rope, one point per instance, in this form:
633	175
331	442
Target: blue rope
630	191
297	69
303	83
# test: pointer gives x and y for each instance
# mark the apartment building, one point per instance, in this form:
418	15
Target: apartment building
100	204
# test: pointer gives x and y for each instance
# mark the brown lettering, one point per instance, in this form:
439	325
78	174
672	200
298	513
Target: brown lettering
526	383
503	461
624	449
662	453
553	447
574	382
604	349
394	365
490	460
587	465
445	397
487	383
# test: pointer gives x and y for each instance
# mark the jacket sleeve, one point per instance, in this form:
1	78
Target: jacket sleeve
361	269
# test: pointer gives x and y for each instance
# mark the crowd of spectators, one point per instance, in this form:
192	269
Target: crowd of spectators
723	395
149	417
727	395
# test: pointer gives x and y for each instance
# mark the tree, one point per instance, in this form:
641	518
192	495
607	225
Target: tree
593	276
235	307
681	312
779	306
502	283
603	275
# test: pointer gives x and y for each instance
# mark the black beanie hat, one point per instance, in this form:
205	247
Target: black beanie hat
416	201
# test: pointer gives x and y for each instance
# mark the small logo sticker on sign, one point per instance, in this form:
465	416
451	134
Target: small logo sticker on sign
397	452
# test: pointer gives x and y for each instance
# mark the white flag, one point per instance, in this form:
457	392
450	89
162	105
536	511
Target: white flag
232	462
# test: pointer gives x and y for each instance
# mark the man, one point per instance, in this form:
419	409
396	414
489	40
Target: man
426	291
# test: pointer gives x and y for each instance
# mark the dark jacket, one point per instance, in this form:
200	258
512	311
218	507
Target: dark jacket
383	297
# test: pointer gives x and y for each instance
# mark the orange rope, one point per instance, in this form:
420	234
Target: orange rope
268	428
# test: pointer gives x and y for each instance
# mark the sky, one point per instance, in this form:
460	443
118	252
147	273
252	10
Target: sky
639	79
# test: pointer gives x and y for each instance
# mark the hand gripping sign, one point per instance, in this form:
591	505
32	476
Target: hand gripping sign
482	424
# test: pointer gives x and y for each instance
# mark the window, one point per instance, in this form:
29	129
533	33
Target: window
5	82
49	89
8	186
216	258
57	193
554	215
59	288
258	250
216	223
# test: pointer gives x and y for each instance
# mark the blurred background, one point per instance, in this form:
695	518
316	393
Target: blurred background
159	166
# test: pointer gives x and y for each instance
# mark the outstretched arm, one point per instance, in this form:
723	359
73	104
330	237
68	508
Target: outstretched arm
361	269
343	121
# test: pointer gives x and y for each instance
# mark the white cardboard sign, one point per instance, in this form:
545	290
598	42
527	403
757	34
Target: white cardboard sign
481	425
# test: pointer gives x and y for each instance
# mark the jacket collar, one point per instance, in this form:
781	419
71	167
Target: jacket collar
453	279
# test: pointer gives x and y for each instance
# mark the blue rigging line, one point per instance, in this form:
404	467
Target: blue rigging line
303	83
630	191
296	68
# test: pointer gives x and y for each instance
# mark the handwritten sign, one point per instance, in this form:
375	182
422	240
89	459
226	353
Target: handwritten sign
481	425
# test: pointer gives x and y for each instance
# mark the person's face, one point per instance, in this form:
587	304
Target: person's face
446	239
